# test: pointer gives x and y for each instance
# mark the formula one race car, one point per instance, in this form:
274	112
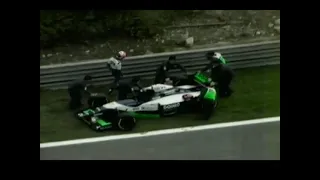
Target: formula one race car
159	100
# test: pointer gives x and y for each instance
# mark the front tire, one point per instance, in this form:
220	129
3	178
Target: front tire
126	123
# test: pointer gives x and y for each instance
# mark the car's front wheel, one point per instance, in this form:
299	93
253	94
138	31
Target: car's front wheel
126	123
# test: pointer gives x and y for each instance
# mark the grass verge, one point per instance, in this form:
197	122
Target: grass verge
257	94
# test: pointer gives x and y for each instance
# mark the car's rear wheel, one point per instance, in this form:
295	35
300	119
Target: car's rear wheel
126	123
208	108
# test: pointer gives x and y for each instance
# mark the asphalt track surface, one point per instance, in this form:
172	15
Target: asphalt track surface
249	142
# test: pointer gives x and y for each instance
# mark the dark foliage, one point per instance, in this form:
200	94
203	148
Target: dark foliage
58	27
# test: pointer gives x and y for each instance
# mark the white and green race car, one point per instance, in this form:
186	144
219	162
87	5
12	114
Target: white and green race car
156	101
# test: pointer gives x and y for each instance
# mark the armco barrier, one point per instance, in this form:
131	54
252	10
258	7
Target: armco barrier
238	56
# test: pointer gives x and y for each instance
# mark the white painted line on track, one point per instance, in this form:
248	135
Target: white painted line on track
159	132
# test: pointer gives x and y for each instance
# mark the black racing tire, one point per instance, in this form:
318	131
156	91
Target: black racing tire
207	108
126	123
93	127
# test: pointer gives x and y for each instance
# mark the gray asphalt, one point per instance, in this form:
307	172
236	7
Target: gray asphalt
250	142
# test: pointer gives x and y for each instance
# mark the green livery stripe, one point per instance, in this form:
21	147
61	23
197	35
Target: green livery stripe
210	94
103	123
141	115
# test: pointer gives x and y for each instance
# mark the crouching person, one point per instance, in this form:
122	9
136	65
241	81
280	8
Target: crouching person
220	73
76	89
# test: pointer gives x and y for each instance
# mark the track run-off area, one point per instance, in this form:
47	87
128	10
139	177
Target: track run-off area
257	139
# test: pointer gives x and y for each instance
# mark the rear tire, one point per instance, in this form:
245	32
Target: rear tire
126	123
208	108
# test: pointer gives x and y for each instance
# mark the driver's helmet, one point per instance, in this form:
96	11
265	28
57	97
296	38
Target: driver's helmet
217	55
121	55
213	55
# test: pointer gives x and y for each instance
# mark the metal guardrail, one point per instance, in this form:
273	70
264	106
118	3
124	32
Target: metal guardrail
238	56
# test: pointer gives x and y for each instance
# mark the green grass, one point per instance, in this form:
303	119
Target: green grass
257	94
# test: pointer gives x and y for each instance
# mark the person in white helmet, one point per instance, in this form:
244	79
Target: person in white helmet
115	65
220	73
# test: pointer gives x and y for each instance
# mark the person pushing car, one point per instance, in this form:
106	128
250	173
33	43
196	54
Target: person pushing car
220	72
76	89
162	71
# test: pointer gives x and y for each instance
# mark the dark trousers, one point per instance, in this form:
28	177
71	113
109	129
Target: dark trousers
227	76
117	76
223	76
75	99
159	77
